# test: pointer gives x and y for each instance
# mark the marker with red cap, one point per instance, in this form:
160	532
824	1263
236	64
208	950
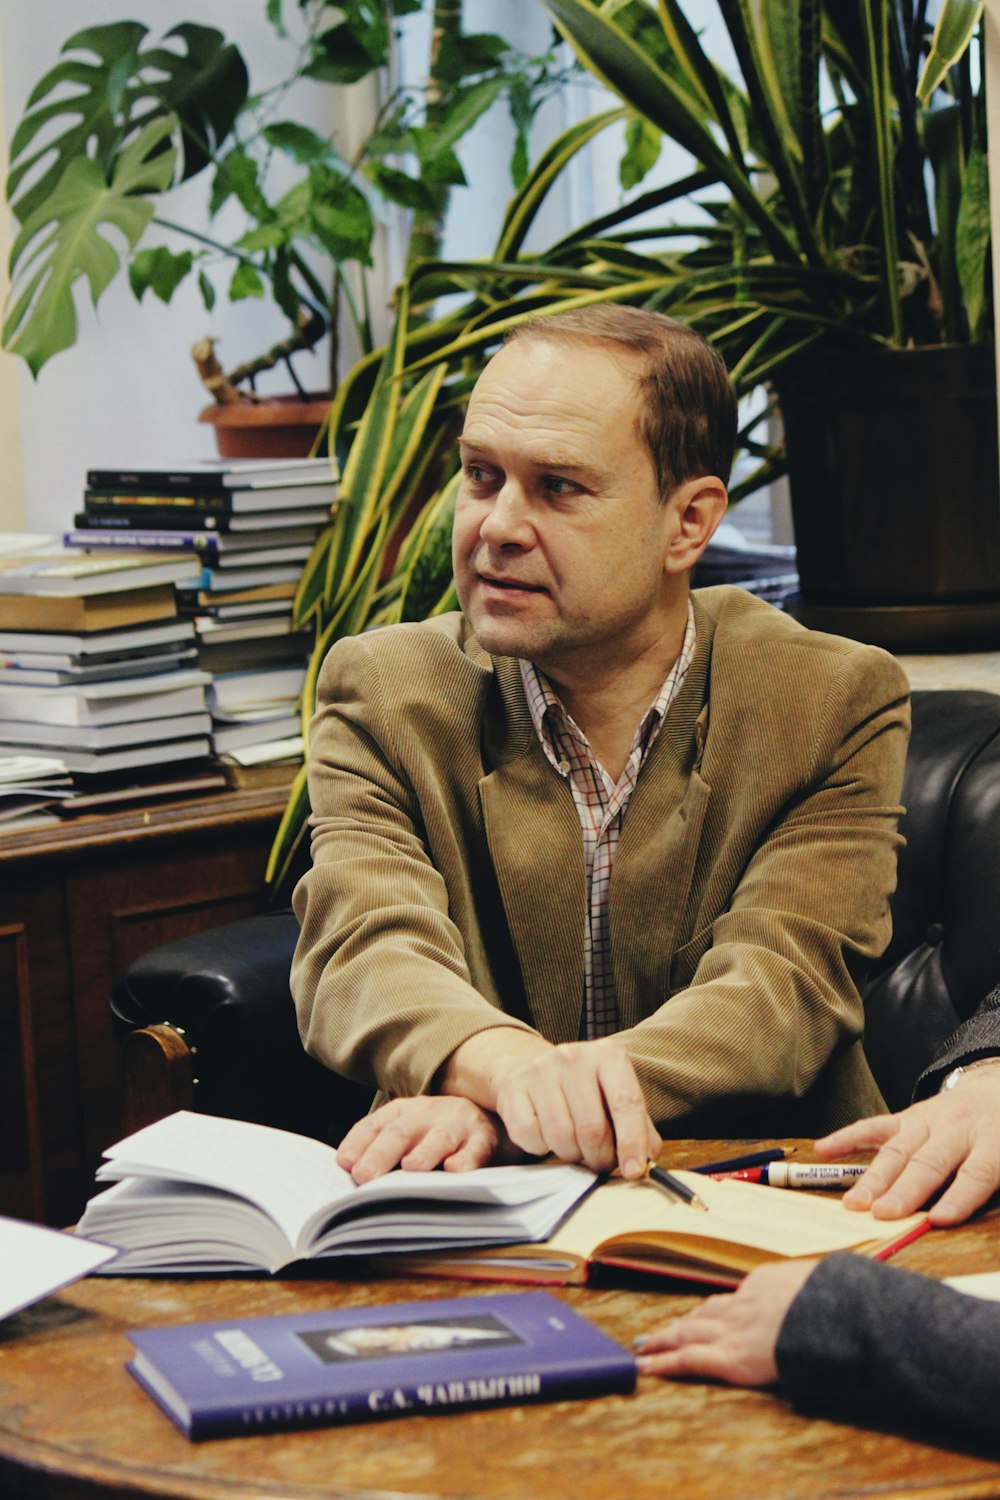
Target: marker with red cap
785	1174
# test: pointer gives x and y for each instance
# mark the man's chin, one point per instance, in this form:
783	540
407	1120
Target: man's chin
502	638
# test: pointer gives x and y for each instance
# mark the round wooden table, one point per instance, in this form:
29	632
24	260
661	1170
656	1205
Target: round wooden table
73	1422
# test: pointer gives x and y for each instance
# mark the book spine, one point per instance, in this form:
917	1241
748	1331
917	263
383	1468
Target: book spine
166	481
144	518
217	502
414	1399
121	539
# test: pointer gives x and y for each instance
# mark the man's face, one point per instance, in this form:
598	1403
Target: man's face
560	537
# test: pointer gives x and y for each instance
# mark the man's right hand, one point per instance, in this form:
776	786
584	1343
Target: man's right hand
420	1134
580	1101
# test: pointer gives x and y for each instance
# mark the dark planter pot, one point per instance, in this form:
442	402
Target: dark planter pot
893	470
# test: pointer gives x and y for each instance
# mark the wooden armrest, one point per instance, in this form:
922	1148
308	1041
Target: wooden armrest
158	1066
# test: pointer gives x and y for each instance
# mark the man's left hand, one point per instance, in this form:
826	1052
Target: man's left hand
955	1135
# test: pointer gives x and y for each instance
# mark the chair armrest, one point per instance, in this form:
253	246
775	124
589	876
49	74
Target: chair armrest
225	995
159	1075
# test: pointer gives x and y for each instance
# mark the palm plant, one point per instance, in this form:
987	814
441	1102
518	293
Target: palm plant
853	160
837	196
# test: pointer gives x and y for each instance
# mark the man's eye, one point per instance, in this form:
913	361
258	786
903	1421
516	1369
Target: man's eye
476	473
555	484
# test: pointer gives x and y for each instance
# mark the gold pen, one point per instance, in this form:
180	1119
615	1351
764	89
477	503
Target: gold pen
674	1186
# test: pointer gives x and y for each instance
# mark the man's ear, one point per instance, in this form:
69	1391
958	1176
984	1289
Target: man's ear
698	506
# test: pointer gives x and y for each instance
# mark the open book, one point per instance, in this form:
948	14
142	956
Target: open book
200	1193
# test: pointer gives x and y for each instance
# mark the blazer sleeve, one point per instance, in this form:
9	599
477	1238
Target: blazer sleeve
876	1344
380	980
979	1036
770	995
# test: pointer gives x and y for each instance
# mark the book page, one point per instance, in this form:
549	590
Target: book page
979	1284
289	1176
779	1221
297	1182
37	1261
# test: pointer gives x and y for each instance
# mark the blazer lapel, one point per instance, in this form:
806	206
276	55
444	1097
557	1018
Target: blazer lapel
534	840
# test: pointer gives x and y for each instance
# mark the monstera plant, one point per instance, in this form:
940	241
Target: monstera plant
122	122
835	197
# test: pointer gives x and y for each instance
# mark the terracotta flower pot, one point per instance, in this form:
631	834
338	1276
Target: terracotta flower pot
278	427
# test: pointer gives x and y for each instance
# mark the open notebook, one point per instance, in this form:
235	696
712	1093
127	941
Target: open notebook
636	1226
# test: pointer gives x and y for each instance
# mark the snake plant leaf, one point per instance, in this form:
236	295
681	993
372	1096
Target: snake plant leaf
62	242
410	434
972	243
756	50
876	20
309	594
524	206
701	73
292	829
607	51
956	25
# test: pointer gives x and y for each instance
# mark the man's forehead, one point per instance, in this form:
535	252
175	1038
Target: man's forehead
550	387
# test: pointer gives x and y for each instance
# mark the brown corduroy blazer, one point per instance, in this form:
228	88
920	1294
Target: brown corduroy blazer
750	888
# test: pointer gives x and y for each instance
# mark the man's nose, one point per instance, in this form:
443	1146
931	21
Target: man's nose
508	520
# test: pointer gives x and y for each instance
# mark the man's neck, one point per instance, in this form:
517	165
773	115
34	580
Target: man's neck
608	701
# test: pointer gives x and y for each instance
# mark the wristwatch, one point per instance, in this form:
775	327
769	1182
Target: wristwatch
951	1078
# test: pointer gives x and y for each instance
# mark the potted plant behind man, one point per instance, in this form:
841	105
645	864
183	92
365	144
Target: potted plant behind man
122	122
740	275
847	267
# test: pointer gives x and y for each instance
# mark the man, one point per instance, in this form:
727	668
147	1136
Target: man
854	1338
595	859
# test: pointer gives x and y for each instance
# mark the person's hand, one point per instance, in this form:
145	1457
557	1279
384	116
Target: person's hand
730	1337
420	1134
919	1149
580	1101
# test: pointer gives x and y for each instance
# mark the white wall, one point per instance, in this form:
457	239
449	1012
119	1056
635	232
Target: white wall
127	392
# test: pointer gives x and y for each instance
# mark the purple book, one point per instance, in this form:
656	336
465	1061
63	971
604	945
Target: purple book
320	1368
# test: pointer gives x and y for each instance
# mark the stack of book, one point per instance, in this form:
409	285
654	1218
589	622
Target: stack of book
97	669
255	707
251	525
30	784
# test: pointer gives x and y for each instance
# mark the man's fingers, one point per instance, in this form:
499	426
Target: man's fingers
862	1135
385	1151
569	1113
419	1134
626	1109
517	1111
976	1180
907	1165
357	1140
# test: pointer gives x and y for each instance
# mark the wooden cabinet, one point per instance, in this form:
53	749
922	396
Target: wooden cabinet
77	904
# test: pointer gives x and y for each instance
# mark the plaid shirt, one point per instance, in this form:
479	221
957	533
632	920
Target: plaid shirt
600	804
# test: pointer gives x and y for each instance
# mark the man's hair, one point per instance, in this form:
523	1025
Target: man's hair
688	413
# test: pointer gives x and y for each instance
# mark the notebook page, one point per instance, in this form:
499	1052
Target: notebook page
777	1220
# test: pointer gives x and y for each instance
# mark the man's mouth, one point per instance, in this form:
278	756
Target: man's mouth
515	585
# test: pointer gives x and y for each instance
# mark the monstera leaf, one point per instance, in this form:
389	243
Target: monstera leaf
106	89
66	239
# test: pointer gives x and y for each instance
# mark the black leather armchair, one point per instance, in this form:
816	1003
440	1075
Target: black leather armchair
208	1021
